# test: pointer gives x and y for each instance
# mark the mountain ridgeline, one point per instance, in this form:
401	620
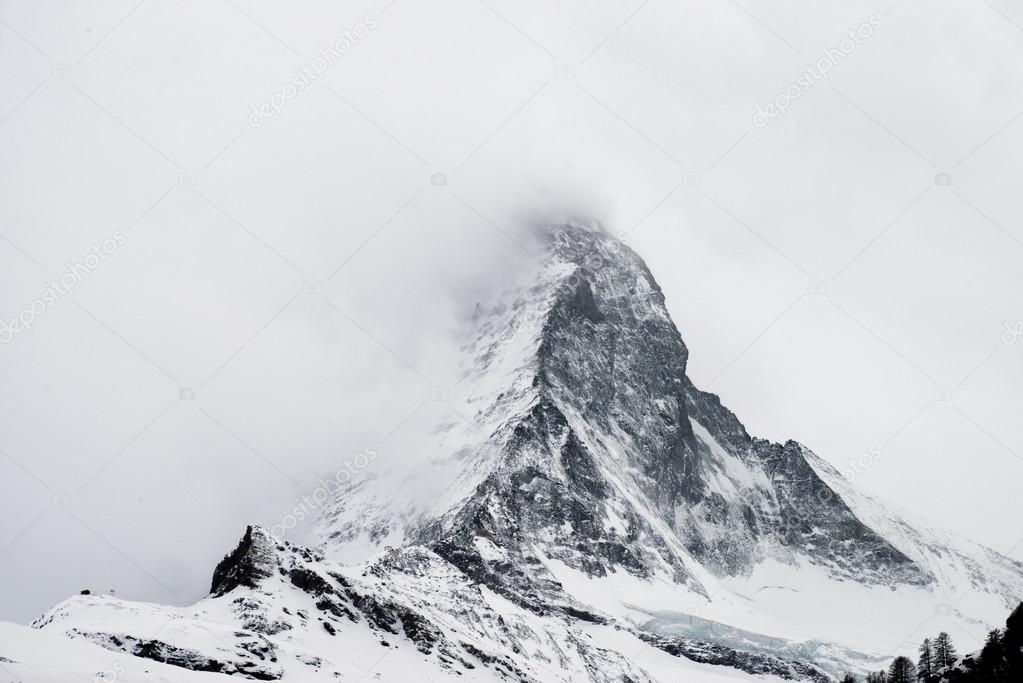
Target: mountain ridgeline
604	455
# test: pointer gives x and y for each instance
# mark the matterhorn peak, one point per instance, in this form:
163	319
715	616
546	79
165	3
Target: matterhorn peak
583	501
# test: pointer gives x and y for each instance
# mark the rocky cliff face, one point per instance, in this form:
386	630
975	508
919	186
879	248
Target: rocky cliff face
603	454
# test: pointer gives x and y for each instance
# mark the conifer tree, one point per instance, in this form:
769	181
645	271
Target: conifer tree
991	666
925	668
902	671
1012	643
944	652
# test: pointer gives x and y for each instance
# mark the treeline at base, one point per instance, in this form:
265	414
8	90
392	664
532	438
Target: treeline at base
999	661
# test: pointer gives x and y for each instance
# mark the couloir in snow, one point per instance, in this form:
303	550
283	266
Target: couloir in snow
577	511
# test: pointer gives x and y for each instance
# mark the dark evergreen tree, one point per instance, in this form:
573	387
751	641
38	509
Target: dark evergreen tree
991	665
849	678
878	677
1000	660
902	671
925	667
944	652
1012	644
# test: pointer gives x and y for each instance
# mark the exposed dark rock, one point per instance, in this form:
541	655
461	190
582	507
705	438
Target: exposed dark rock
758	664
159	651
310	581
254	559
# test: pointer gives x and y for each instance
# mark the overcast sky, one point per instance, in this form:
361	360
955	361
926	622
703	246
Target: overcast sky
281	271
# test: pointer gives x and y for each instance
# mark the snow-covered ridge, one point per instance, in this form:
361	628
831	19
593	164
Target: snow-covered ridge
282	612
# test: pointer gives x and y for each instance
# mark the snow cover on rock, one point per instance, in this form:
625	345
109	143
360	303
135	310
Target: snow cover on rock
578	511
282	612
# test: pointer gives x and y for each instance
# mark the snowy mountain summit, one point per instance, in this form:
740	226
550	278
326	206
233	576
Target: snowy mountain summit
577	511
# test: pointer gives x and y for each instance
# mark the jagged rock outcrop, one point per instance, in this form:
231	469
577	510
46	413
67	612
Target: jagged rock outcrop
753	663
191	660
253	559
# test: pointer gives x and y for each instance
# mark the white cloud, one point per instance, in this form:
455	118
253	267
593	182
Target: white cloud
307	278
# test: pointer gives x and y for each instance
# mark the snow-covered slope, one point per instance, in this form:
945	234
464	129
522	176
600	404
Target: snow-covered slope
579	511
278	611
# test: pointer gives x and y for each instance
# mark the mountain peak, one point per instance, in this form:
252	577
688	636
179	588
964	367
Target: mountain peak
578	499
587	442
253	559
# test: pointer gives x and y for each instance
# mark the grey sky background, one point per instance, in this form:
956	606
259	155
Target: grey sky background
289	293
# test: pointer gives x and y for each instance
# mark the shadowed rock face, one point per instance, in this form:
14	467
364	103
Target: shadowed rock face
606	468
259	667
753	663
252	560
